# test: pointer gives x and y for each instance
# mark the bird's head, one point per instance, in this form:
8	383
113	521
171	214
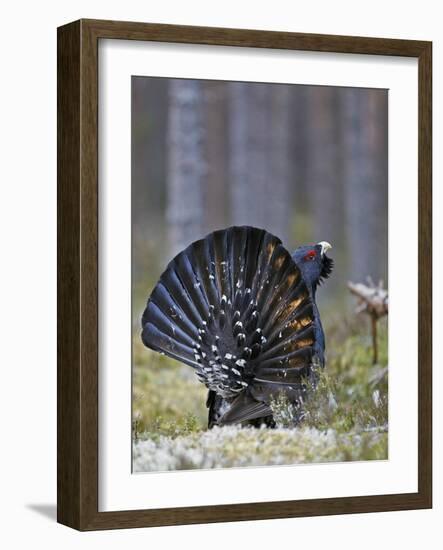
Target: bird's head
313	263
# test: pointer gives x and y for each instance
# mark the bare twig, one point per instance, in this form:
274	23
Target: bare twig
372	300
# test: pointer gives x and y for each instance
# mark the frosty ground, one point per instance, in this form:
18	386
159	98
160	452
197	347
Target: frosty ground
231	446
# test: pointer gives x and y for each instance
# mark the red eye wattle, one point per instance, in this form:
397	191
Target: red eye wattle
310	255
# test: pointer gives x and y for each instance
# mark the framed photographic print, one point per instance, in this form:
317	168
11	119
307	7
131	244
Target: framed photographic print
244	275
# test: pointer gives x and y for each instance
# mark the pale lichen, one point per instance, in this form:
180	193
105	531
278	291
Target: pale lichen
233	446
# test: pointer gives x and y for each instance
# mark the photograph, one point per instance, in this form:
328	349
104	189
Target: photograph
259	274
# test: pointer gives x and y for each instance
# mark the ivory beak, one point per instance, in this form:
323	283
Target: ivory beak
325	246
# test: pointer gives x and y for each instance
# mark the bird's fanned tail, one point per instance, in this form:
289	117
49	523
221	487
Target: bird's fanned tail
234	307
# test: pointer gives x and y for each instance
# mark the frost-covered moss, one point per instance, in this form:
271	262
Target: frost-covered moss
232	446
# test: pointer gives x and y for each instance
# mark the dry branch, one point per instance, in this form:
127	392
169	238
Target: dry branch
374	301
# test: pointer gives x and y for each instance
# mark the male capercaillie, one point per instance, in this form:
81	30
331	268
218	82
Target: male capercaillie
239	309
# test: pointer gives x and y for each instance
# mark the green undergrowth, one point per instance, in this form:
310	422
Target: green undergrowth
167	397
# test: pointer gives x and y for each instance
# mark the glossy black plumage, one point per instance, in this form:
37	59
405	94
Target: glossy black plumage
235	307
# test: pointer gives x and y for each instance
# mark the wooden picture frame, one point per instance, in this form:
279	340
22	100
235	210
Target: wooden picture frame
77	457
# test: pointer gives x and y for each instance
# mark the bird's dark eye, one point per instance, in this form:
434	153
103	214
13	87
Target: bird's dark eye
310	255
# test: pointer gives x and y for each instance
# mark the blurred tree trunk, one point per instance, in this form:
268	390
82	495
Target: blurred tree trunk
323	171
148	172
248	125
365	176
186	163
300	230
280	182
258	147
148	143
215	189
